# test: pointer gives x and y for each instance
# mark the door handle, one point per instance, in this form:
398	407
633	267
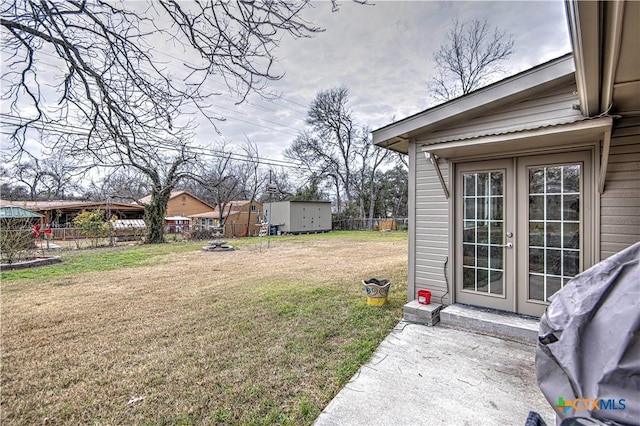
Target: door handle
509	245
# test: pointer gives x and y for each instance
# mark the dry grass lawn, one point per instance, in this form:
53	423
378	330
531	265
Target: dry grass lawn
243	337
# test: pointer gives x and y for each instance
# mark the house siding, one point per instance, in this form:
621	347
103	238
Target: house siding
554	106
185	204
432	215
243	222
431	230
620	201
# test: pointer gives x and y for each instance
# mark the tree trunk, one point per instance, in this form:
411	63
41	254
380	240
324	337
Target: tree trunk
372	204
338	196
154	214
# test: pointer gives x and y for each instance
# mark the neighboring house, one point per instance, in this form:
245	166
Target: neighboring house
61	213
299	217
519	186
180	207
241	218
182	203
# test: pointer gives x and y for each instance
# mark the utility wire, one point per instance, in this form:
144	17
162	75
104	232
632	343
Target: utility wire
231	117
204	151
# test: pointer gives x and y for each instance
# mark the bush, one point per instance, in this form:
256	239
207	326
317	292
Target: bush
16	238
200	234
92	225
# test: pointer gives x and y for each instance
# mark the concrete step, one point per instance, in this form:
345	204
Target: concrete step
491	322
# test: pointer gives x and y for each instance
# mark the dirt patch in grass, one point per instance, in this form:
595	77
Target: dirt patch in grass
242	337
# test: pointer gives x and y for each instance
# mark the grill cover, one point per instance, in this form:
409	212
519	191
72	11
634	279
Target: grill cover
588	351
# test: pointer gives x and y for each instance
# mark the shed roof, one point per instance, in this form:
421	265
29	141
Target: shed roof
14	212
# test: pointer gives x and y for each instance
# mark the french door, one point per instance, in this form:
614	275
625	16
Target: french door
485	234
520	229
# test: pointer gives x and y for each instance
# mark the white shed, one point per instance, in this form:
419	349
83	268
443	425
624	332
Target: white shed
299	217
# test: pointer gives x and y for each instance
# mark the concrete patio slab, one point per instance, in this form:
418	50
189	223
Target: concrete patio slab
423	375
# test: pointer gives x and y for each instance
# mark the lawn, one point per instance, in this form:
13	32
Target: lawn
169	334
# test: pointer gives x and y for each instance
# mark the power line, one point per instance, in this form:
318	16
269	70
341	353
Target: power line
231	117
205	151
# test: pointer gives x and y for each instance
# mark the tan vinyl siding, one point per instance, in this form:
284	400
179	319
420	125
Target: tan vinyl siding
431	229
552	107
620	202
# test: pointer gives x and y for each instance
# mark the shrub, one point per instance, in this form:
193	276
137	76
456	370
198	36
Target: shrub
15	239
92	225
200	234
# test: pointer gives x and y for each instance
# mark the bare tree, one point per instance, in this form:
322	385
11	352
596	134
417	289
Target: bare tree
90	78
53	177
330	143
219	181
280	179
373	158
252	176
468	59
125	185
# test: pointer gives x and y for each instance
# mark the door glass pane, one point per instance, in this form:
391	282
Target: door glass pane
469	234
554	228
536	181
536	207
483	256
483	183
552	181
496	282
483	250
496	258
554	234
496	233
469	185
571	235
469	254
536	287
482	228
553	210
571	179
469	278
496	208
470	208
497	185
536	234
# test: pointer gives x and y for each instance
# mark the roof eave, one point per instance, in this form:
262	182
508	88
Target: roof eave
483	99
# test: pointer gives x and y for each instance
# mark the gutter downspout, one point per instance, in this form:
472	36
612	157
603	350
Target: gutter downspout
611	53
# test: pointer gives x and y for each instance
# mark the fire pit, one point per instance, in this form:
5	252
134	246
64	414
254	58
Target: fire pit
218	244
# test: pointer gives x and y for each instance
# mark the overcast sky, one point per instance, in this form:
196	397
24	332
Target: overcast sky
383	55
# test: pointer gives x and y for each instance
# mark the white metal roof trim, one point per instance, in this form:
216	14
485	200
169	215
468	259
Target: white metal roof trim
505	131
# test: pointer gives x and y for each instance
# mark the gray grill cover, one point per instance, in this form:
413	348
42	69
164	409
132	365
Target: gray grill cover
589	341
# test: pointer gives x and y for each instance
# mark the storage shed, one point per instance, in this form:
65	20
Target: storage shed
299	217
